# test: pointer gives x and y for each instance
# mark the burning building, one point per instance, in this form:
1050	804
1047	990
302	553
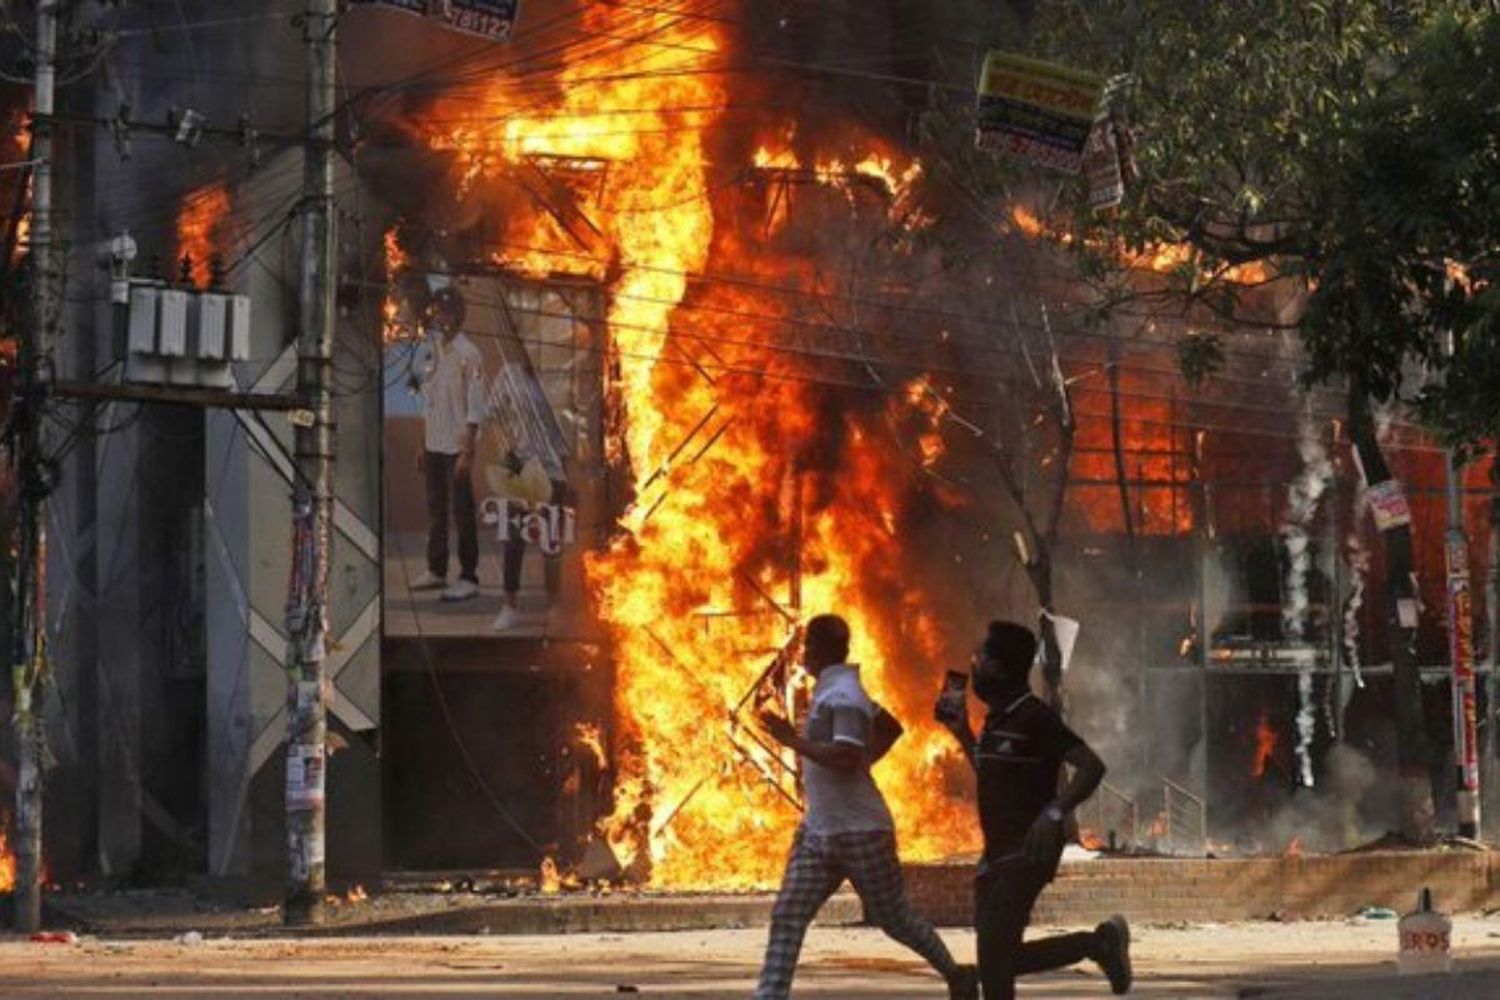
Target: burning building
738	364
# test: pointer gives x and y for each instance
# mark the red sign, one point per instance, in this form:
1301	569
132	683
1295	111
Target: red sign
1461	653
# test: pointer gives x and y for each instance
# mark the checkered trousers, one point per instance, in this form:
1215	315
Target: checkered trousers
818	865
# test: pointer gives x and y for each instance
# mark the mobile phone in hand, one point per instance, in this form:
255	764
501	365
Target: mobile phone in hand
951	704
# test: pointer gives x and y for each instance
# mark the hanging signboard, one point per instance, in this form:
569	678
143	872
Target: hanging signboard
492	19
1037	111
1388	505
1101	162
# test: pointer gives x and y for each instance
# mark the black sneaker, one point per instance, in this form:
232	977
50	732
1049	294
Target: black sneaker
1113	955
965	984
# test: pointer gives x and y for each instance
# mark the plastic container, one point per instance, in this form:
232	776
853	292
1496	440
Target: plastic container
1426	937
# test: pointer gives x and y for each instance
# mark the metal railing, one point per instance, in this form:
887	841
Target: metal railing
1186	820
1113	817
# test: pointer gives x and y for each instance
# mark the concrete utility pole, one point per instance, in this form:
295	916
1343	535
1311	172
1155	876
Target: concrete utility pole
312	496
29	658
1461	653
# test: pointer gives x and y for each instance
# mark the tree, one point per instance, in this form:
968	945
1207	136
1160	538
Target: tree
1349	149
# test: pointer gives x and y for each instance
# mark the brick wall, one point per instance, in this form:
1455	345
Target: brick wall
1160	889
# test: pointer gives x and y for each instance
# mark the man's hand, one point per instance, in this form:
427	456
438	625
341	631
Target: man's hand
778	729
1044	839
958	725
463	463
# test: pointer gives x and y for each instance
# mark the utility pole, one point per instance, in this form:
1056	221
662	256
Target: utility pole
1461	652
29	657
312	495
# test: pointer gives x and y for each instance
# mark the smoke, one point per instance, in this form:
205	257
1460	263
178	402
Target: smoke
1303	496
1358	555
1306	722
1332	818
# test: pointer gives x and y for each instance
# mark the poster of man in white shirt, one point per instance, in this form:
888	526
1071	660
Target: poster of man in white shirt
453	408
498	399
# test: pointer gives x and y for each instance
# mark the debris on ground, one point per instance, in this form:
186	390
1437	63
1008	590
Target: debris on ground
1376	913
54	937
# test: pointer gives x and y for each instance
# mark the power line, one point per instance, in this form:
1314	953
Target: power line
726	368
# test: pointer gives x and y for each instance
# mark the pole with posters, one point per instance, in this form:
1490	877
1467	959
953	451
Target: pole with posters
1461	655
29	656
312	495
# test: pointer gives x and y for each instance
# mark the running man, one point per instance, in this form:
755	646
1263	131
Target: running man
1019	756
847	831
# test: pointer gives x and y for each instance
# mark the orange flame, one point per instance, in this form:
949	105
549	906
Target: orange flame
199	229
1265	746
1294	849
1163	257
550	881
697	586
393	329
591	738
7	857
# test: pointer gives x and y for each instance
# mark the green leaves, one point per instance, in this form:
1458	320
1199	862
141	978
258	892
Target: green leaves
1356	144
1199	355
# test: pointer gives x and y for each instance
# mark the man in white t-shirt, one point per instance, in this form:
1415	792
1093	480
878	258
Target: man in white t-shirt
847	832
452	409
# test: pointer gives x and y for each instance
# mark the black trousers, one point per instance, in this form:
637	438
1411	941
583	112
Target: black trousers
1003	898
515	549
444	487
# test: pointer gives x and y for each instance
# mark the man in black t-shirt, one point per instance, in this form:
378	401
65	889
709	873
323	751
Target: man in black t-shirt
1019	756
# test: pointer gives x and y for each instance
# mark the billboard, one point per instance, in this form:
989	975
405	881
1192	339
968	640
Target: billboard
492	19
1037	111
493	460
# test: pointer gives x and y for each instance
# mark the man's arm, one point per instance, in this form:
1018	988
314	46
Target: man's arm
1045	837
960	729
1088	771
474	404
842	754
469	449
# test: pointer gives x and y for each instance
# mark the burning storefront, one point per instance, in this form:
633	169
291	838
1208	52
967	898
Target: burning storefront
735	363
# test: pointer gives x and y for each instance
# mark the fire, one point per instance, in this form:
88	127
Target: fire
393	328
199	229
1294	849
877	169
1091	840
1265	746
762	497
7	857
20	134
551	880
591	738
1162	257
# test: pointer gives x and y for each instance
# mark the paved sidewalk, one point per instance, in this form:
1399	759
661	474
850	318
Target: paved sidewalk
1334	959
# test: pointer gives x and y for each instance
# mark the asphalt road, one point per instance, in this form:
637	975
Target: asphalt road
1333	959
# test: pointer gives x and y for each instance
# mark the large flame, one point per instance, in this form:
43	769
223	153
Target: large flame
761	497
